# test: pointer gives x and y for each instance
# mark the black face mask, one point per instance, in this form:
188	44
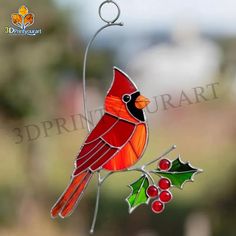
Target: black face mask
130	104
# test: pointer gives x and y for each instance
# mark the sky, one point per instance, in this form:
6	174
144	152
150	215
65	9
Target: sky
211	16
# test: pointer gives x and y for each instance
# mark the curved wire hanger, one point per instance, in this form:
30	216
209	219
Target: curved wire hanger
109	23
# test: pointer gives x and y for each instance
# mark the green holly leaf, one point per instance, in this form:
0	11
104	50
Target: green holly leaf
138	195
179	173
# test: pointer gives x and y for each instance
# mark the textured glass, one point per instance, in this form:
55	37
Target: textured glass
179	173
138	195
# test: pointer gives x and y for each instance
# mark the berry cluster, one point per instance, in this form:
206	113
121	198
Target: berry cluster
161	193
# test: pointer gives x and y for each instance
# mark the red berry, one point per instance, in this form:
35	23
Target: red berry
164	183
152	191
157	206
164	164
165	196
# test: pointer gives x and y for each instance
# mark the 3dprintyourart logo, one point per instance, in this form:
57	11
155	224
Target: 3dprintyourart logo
23	19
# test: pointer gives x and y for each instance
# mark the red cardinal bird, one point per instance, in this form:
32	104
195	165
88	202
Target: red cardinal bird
116	143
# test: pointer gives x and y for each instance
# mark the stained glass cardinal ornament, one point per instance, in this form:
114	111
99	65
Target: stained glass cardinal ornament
116	143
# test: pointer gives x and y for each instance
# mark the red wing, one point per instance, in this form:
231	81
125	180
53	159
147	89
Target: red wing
93	141
119	134
103	143
94	160
103	126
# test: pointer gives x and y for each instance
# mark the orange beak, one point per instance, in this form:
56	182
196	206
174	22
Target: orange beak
141	102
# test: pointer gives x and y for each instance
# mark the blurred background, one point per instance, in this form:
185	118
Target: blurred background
168	48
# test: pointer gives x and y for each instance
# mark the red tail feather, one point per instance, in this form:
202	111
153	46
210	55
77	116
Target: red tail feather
67	202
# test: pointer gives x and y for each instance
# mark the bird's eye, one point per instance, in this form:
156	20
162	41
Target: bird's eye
126	98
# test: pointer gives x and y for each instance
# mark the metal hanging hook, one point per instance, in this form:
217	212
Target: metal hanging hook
108	24
118	11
